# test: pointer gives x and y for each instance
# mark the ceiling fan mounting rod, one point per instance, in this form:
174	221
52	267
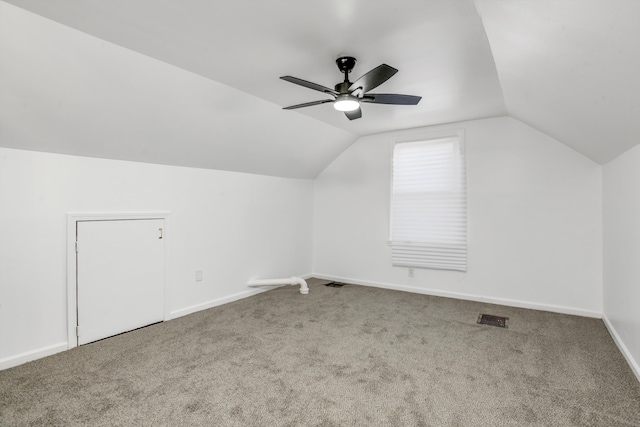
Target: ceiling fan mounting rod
345	65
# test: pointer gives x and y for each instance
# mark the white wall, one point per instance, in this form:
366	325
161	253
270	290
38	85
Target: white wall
535	220
622	253
234	226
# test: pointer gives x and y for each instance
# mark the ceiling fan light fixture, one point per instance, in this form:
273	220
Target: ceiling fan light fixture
346	103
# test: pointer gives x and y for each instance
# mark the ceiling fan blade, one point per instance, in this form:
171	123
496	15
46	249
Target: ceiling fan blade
308	104
309	85
391	98
355	114
373	78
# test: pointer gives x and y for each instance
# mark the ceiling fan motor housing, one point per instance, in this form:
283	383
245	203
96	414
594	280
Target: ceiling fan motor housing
343	87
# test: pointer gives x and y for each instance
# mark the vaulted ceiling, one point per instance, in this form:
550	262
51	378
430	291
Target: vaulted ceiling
195	83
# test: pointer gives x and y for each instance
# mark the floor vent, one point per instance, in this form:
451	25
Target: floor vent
488	319
335	285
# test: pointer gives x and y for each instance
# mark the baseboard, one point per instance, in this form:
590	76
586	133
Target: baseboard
463	296
224	300
28	356
623	348
214	303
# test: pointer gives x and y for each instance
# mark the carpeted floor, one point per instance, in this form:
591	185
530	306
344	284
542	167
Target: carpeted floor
353	356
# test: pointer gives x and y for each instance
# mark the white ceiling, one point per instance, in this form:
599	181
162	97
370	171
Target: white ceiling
195	82
570	69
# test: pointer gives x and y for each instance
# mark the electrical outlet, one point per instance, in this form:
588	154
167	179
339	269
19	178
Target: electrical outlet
199	275
411	272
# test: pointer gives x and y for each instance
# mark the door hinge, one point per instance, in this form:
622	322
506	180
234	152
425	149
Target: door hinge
76	246
77	331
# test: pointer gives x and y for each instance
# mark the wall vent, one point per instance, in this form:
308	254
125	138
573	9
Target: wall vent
335	285
489	319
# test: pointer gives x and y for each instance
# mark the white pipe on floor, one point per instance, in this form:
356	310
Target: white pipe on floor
304	289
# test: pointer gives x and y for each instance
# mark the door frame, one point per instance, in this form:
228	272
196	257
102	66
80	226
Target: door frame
72	267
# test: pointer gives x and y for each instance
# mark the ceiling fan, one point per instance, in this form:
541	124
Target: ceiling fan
347	96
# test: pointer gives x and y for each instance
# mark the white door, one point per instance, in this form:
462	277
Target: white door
120	276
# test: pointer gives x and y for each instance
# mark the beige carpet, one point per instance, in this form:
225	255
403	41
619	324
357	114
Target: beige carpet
336	357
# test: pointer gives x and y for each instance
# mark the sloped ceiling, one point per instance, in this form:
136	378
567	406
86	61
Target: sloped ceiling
570	69
195	83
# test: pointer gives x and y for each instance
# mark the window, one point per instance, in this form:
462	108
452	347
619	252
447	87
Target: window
429	204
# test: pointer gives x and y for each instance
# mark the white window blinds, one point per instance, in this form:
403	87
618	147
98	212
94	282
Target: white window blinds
429	204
